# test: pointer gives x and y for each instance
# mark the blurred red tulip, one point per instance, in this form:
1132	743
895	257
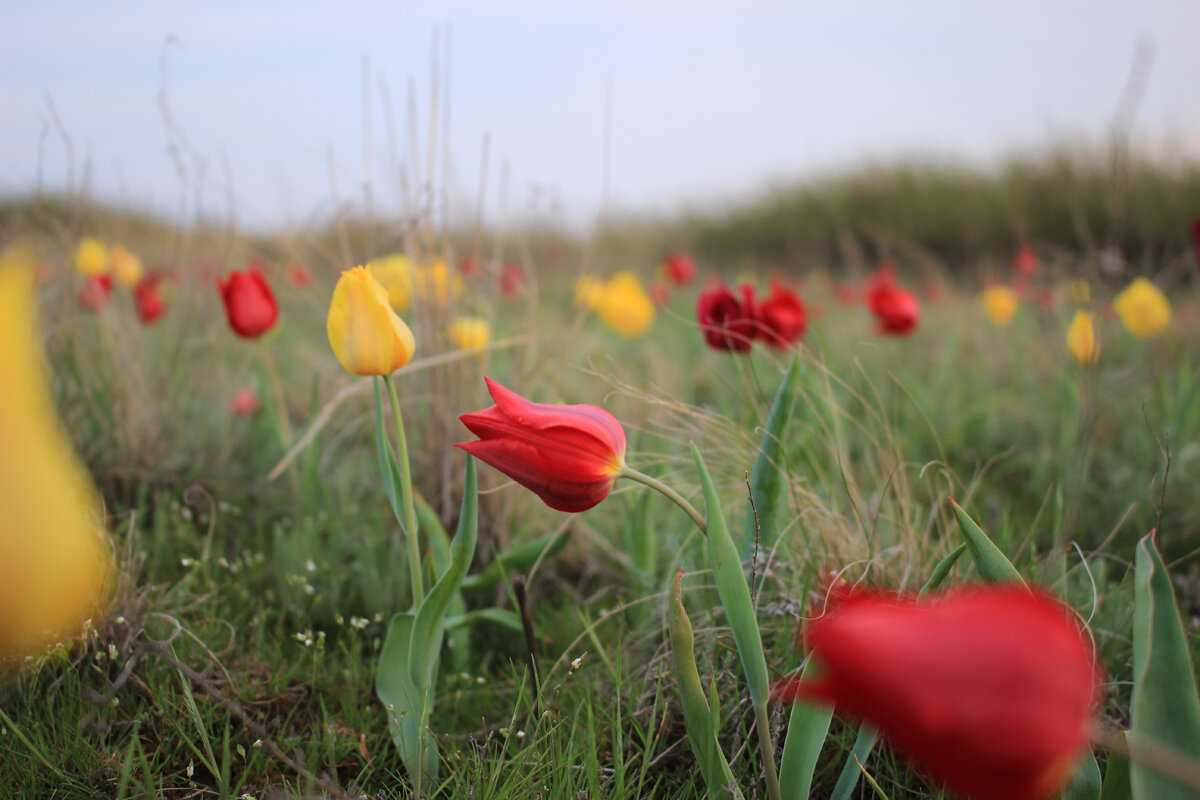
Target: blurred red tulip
568	455
468	266
245	403
249	303
679	269
896	310
512	280
1044	298
660	293
150	305
845	295
1025	262
990	690
95	293
298	275
781	317
728	323
933	292
879	284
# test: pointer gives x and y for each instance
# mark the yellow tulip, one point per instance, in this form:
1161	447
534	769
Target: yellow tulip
587	293
91	257
438	284
395	273
1143	309
55	559
1000	303
469	333
366	335
126	266
624	305
1081	338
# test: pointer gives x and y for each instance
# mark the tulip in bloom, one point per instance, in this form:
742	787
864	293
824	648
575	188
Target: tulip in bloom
512	280
727	322
896	310
91	257
366	335
125	266
395	274
95	293
568	455
54	552
989	690
624	306
150	305
469	333
1000	303
679	269
249	303
1025	262
781	317
437	284
1081	338
1143	309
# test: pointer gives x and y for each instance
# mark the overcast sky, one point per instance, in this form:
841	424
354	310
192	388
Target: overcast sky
708	104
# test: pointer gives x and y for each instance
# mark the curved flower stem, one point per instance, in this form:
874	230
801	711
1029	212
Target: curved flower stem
674	496
406	491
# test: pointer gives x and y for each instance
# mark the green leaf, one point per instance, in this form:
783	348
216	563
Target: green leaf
941	571
768	479
1165	708
1085	780
733	590
992	564
864	742
403	701
806	732
518	558
696	715
497	616
1116	774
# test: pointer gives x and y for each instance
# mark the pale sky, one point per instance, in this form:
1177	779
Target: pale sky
710	104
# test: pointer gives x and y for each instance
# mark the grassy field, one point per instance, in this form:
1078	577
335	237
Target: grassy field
259	560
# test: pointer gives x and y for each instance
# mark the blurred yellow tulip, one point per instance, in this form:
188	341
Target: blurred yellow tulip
126	266
55	559
624	305
587	293
91	257
366	335
469	333
1000	303
1143	309
395	274
437	284
1081	338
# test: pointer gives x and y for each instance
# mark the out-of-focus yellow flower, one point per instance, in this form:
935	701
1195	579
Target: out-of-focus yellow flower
587	292
55	558
395	274
1080	292
1143	309
366	335
1000	303
469	333
126	266
1081	338
625	306
437	284
91	257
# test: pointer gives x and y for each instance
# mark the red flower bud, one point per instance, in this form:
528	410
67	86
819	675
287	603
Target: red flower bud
150	305
782	318
249	303
896	310
728	323
95	293
989	690
679	269
568	455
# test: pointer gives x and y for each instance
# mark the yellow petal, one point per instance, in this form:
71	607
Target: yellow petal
366	335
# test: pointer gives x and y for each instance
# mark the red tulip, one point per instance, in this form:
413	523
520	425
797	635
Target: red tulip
298	275
1025	262
989	690
679	269
781	317
95	293
150	305
570	456
896	310
728	323
879	284
845	295
660	293
245	403
512	280
249	303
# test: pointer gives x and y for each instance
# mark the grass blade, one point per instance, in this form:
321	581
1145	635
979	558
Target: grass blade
807	728
992	564
768	480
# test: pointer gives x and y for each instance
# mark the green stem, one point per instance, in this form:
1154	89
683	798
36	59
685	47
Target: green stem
768	750
406	491
672	495
284	429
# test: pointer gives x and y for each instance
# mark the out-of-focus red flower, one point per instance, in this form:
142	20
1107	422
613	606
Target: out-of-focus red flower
512	280
298	275
933	292
989	690
727	322
245	403
468	266
896	310
249	303
568	455
149	302
95	293
882	281
660	293
781	317
1044	298
845	295
679	269
1025	262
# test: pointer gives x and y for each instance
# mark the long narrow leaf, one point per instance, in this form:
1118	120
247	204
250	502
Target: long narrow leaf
992	564
1116	774
402	700
808	726
851	771
518	558
768	479
1164	707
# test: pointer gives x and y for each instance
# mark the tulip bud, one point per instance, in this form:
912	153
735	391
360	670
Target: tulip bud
366	335
568	455
249	303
